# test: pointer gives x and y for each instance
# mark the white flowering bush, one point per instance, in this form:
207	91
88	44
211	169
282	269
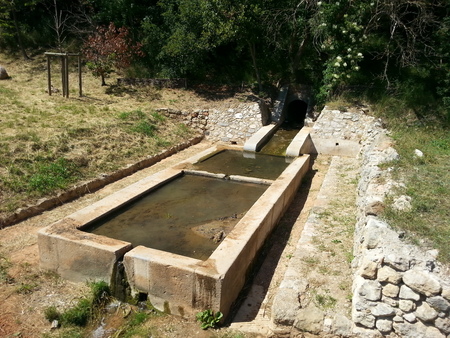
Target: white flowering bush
339	36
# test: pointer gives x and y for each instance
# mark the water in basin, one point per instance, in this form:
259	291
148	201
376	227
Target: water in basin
233	162
279	142
187	216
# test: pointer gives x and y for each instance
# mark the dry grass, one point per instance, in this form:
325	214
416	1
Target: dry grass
48	143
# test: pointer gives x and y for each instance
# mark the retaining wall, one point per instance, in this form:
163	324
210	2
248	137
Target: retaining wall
399	289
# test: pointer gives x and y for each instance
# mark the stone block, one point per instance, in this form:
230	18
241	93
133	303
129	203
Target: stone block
79	256
389	275
364	319
149	270
384	325
309	319
425	312
368	269
408	293
439	303
286	305
370	290
422	282
443	324
391	290
383	310
410	317
446	291
406	305
397	262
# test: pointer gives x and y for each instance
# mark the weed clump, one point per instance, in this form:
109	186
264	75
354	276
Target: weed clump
85	310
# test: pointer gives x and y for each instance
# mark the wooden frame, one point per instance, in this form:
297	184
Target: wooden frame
64	72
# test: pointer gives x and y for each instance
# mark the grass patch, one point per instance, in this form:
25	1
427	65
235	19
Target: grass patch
138	324
311	261
325	301
145	128
158	117
4	266
427	181
48	143
85	310
135	326
27	288
40	176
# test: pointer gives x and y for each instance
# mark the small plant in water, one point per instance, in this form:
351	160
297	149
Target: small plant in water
209	319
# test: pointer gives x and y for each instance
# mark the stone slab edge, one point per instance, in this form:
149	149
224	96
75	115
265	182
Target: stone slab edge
260	138
301	143
286	299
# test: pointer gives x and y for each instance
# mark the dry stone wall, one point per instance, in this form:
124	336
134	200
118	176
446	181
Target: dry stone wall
399	290
230	125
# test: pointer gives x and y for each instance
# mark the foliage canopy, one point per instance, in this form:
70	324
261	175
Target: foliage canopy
381	46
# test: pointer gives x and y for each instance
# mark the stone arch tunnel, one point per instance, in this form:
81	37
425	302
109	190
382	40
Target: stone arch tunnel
296	113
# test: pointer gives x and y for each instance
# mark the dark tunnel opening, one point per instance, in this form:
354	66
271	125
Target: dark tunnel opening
296	113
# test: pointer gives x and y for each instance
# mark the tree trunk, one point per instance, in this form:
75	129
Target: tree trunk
295	59
19	39
252	48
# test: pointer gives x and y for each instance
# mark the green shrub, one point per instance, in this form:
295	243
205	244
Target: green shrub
78	315
209	319
51	314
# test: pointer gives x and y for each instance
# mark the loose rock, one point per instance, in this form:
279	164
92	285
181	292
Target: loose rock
3	73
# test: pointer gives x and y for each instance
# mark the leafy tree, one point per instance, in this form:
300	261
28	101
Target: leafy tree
10	24
109	48
339	34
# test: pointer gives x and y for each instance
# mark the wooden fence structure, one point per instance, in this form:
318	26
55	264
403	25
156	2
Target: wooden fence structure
64	72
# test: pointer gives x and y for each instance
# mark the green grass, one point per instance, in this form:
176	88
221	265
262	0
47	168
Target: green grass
85	310
4	266
414	125
135	327
40	175
27	288
325	301
427	181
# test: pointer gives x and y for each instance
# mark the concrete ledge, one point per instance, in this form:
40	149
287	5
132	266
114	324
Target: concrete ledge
79	256
335	147
260	138
168	279
301	144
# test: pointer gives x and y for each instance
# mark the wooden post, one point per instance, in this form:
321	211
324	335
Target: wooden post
49	76
79	76
66	73
63	77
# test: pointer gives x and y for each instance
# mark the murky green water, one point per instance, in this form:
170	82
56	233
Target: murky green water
182	216
234	162
279	142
